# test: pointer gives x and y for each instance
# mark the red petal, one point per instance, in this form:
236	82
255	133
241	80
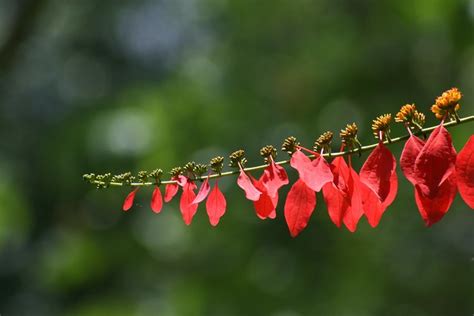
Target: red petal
315	174
373	207
170	191
378	170
379	179
128	203
299	206
411	150
188	209
299	161
245	184
215	205
465	172
274	177
336	203
436	161
265	205
432	209
203	192
321	174
355	211
343	197
156	200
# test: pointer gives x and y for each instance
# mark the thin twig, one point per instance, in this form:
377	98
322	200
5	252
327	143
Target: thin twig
285	162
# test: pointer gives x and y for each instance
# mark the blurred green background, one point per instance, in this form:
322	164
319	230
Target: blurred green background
96	86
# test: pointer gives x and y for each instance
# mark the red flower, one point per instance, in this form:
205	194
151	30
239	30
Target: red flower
379	183
465	172
186	205
299	206
430	167
343	196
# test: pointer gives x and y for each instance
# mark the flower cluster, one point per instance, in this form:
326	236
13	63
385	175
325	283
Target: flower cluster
434	168
447	104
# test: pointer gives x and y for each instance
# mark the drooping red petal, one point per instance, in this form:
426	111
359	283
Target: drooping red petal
321	174
343	195
465	172
436	161
170	191
244	182
436	203
203	192
299	206
128	203
432	209
156	200
354	213
379	182
378	170
315	174
273	178
265	206
411	150
215	205
336	203
188	209
373	207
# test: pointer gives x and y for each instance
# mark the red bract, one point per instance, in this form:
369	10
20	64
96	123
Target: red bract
315	174
170	191
172	188
299	206
203	192
246	184
156	200
411	150
429	167
343	196
435	163
273	178
128	203
465	172
188	209
215	205
265	206
379	178
433	208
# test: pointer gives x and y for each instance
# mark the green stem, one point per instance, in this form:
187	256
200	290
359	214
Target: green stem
285	162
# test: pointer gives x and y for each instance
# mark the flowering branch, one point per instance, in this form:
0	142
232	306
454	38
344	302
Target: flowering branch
432	165
357	150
